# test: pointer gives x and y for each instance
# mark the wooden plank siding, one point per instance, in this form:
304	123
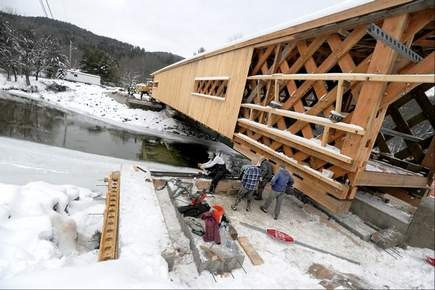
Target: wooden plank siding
177	85
314	96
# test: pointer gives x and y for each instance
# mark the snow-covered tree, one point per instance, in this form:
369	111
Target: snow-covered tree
9	56
48	56
27	51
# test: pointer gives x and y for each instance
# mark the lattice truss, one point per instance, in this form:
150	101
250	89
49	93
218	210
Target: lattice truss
365	104
408	128
217	87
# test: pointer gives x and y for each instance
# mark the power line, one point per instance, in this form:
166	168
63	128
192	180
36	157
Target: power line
43	8
49	9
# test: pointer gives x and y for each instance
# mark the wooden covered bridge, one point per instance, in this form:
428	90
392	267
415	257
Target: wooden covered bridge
340	99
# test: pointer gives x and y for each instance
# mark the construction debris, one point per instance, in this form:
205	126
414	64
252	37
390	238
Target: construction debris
281	236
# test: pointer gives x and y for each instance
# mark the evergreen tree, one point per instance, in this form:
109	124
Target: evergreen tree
96	61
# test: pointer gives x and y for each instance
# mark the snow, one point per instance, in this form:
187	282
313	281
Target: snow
38	248
22	162
380	166
42	245
39	225
286	266
94	101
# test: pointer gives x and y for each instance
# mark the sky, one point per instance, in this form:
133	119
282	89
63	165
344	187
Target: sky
178	26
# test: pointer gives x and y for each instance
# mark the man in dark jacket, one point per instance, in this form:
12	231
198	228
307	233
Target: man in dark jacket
280	182
217	170
266	176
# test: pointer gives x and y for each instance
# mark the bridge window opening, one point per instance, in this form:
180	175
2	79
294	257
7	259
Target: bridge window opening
211	87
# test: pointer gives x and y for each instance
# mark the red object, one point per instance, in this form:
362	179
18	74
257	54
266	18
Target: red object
218	212
430	260
199	199
211	228
278	235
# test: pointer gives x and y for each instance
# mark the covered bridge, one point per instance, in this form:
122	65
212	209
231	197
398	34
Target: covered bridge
340	99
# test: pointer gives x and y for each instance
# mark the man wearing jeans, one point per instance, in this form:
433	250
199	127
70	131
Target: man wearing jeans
251	178
279	183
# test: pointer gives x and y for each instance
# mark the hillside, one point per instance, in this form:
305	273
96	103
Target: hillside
132	60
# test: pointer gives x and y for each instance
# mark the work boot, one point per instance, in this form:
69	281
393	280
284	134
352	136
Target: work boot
263	209
248	206
275	217
234	207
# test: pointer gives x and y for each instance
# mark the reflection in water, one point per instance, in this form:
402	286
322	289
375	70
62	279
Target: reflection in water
28	120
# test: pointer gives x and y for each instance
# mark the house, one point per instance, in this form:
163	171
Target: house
78	76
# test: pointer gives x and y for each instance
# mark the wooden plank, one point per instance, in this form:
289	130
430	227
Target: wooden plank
372	92
304	150
214	78
308	118
316	191
209	97
339	99
395	91
293	163
325	137
250	251
295	139
109	233
382	179
366	77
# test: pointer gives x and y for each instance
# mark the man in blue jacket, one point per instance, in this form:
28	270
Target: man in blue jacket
280	182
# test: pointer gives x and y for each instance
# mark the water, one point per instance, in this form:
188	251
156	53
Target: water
29	120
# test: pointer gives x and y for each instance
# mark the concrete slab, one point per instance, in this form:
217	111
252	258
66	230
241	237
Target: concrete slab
355	225
207	256
421	232
374	210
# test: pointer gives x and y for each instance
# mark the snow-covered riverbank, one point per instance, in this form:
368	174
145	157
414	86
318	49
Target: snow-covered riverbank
95	101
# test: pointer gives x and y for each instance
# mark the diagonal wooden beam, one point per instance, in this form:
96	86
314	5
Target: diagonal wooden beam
311	67
329	63
262	59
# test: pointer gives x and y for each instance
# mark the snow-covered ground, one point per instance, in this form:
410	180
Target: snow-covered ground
47	227
94	101
22	162
46	233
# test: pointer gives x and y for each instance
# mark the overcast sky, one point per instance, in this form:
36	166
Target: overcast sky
178	26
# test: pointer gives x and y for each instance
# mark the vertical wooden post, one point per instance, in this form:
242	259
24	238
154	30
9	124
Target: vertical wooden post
269	119
325	136
339	98
276	90
367	113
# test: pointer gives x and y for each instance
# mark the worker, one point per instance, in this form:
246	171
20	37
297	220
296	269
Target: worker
250	179
266	176
280	182
216	168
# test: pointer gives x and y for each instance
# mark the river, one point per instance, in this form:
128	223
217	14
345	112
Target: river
42	123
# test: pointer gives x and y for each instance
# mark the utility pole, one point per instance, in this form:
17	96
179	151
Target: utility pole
70	53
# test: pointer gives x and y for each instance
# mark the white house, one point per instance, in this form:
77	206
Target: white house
78	76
